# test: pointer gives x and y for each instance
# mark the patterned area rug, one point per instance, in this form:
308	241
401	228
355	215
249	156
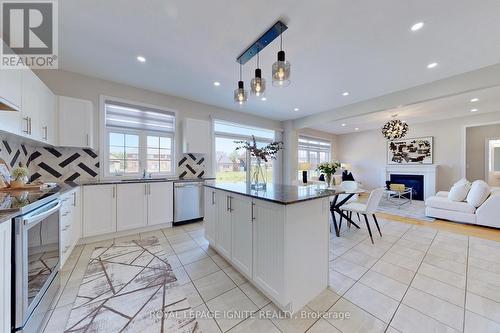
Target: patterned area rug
414	210
130	287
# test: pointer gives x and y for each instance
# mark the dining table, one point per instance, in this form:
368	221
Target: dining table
336	205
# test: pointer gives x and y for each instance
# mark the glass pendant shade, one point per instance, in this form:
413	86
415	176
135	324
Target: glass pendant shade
258	84
240	94
281	71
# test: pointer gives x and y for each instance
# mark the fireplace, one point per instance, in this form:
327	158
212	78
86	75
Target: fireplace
416	182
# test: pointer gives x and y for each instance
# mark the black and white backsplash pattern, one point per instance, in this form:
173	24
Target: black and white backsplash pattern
51	164
192	166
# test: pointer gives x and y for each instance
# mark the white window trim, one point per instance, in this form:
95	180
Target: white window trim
299	173
104	139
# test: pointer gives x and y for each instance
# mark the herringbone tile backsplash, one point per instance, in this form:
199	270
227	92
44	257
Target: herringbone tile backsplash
52	164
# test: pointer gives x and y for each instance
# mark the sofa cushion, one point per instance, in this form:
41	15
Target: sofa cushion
459	190
446	204
479	192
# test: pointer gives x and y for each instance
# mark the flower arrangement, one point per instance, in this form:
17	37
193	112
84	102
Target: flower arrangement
328	168
264	153
20	173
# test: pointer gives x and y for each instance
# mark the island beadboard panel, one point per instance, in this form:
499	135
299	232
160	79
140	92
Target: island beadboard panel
52	164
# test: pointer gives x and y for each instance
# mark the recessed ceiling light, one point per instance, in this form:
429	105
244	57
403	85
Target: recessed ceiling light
141	59
263	99
356	129
474	100
432	65
417	26
473	110
216	83
345	93
344	125
296	109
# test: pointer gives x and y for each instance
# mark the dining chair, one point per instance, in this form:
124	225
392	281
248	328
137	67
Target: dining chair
349	186
367	209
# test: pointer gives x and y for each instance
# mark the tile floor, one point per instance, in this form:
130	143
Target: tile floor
414	279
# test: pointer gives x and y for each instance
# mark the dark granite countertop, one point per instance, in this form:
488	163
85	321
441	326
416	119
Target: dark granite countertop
8	216
135	181
282	194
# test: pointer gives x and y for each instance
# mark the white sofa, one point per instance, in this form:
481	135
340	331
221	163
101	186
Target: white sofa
487	214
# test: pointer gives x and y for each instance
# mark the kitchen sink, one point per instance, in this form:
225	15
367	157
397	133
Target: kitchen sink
143	180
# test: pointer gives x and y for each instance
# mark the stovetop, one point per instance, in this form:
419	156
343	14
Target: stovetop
26	201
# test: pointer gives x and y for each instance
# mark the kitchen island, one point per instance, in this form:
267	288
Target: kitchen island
277	238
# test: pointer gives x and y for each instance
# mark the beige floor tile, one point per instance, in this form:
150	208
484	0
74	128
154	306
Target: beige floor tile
69	293
213	285
484	275
254	294
193	297
235	275
442	275
299	322
221	262
475	323
484	289
322	326
359	258
449	254
392	330
323	301
191	256
339	283
483	306
402	261
443	263
395	272
201	268
347	318
372	301
439	289
181	275
409	320
486	265
255	325
384	284
407	252
234	306
58	319
352	270
184	246
445	312
206	322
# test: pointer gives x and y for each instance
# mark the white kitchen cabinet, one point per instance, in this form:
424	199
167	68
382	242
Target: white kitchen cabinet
241	229
196	136
75	122
160	203
47	118
5	275
223	223
30	112
210	215
70	225
99	210
10	87
131	206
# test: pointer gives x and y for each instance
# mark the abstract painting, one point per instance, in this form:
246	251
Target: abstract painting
410	151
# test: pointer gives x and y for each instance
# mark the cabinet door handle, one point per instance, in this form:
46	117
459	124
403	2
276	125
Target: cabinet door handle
74	199
88	140
213	198
45	133
230	204
27	130
149	189
29	125
114	192
253	214
145	189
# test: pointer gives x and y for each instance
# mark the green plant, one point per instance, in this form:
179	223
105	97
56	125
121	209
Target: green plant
264	153
328	168
20	172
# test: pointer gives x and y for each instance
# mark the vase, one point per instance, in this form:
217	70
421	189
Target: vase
328	179
258	176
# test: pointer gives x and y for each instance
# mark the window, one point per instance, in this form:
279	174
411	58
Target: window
313	151
232	166
139	139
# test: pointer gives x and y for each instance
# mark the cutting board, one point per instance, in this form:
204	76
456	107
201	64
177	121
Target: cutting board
27	187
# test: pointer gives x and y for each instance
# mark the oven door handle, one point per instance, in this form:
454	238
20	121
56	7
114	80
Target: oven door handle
34	218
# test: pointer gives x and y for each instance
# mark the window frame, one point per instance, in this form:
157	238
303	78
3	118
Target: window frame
143	134
311	149
236	137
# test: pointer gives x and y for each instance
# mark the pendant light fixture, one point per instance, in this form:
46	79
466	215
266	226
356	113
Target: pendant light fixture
395	129
258	84
240	94
281	68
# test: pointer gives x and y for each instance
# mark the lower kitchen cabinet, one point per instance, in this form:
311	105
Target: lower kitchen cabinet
99	210
5	275
131	206
160	203
241	232
210	214
70	225
223	223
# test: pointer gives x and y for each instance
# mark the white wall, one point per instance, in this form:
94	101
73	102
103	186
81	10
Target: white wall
367	151
90	88
476	149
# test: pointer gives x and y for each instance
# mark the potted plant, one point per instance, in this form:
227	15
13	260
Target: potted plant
20	175
328	169
262	155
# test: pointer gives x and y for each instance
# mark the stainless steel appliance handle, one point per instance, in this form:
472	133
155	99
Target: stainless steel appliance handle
253	215
230	203
188	184
34	217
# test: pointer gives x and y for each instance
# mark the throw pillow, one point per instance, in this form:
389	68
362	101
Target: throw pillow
347	176
459	190
479	192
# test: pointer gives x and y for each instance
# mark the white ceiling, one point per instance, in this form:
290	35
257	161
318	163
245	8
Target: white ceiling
438	109
364	47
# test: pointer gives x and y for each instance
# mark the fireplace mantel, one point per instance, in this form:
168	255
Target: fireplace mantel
428	171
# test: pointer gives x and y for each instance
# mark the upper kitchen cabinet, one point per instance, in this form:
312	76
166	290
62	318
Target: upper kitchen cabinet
75	122
10	88
196	136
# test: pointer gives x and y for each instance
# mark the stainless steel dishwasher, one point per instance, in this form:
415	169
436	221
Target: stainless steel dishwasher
188	201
